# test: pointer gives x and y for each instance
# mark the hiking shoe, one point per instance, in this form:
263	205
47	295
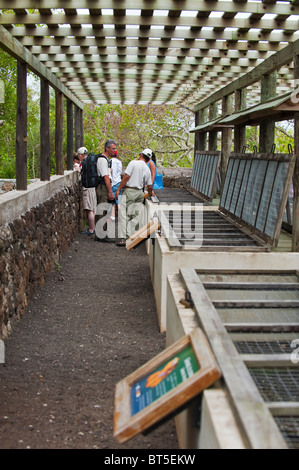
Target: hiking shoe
88	233
121	243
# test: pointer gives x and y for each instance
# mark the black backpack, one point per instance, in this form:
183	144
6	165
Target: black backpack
89	173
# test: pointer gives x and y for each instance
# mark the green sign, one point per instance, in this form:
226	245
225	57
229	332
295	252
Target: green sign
165	378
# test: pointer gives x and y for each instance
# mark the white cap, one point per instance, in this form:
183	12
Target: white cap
82	151
147	152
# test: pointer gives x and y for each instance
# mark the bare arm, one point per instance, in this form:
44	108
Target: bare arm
123	183
108	185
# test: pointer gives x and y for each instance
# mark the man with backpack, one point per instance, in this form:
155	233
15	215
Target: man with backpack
104	191
89	199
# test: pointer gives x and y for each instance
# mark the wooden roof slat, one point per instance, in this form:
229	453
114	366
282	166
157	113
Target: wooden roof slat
203	44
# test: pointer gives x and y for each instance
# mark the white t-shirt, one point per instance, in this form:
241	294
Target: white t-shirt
139	173
116	171
102	167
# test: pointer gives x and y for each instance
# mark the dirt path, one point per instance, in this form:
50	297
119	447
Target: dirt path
92	324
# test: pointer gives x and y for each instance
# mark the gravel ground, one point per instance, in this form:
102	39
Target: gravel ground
92	323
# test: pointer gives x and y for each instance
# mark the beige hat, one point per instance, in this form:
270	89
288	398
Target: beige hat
147	152
82	151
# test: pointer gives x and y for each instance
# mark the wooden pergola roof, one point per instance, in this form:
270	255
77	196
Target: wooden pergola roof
157	52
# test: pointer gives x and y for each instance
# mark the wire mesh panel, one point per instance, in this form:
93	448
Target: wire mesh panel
204	174
256	189
256	318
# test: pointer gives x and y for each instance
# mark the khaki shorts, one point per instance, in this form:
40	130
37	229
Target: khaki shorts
89	199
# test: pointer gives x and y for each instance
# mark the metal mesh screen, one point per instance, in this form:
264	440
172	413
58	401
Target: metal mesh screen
289	427
204	173
277	384
254	189
263	347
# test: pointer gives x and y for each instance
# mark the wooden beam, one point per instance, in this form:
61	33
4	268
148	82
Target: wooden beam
78	128
70	135
267	126
59	133
15	48
44	131
213	113
21	127
268	66
239	130
202	6
226	141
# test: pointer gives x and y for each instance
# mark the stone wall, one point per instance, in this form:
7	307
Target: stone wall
31	244
176	177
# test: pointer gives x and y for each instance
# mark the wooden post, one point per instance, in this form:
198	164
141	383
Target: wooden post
202	136
295	228
267	126
78	128
21	127
239	129
44	131
226	142
70	135
59	133
213	113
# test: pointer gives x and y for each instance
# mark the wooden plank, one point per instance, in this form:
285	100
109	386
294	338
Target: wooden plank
15	48
45	131
269	65
133	413
267	360
21	127
284	408
59	133
257	424
142	234
70	135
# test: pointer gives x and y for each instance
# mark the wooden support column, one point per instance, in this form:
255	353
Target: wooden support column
213	113
44	131
59	133
226	142
196	136
239	129
202	136
21	127
295	228
70	135
78	128
267	126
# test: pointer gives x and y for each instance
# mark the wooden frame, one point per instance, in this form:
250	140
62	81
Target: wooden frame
232	186
213	293
160	403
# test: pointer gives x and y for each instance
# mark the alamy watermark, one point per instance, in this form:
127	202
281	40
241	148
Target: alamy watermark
184	224
295	353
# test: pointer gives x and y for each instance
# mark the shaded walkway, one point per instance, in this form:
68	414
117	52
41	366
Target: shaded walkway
92	324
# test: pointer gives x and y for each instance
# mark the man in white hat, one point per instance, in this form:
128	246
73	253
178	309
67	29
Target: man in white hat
136	177
89	199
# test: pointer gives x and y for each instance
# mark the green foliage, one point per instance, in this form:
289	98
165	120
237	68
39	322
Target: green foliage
163	129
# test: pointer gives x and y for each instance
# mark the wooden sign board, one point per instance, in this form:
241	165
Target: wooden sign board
142	234
163	385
